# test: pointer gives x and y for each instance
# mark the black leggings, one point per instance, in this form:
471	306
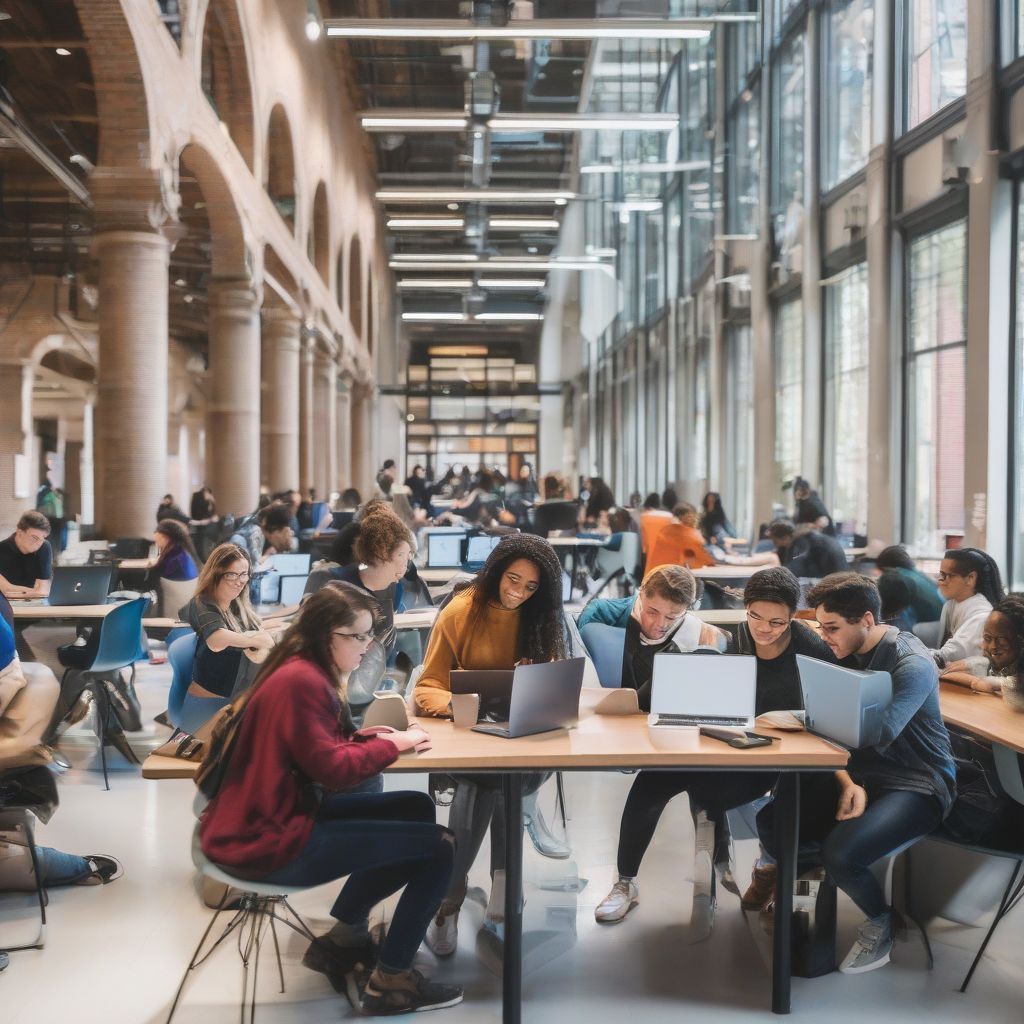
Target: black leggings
713	792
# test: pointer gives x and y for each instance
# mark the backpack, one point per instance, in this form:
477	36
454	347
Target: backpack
217	760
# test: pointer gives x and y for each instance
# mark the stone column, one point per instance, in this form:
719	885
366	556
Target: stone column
15	431
131	406
326	427
362	456
307	433
280	422
343	462
233	412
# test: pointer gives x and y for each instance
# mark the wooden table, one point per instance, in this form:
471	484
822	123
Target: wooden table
728	575
133	563
982	714
603	743
440	577
30	612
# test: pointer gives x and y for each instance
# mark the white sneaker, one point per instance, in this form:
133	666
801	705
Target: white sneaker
625	895
442	936
872	949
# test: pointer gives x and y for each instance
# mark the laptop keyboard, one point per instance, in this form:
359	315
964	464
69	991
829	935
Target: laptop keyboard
492	730
698	720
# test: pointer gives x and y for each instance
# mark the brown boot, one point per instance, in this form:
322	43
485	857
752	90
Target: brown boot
761	888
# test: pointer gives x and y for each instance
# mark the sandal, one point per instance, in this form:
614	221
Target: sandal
102	870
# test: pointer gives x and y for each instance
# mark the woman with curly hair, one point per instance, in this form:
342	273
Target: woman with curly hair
511	613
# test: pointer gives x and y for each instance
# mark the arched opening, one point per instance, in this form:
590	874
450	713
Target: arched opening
339	278
355	286
224	74
319	240
280	183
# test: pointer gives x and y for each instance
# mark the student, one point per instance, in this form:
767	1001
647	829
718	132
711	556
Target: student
169	509
908	596
714	523
891	794
271	531
480	501
297	733
969	580
679	542
26	560
807	554
998	669
601	500
176	558
225	626
810	509
511	613
417	486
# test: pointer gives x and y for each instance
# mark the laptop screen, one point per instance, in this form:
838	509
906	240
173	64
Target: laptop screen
292	565
292	589
711	685
444	550
480	547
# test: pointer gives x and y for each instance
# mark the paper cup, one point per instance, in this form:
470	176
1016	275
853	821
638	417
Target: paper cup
465	709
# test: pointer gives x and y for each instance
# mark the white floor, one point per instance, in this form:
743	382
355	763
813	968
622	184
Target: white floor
115	954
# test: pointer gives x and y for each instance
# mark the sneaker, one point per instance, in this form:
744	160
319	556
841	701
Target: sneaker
335	962
388	993
872	949
442	936
761	888
625	895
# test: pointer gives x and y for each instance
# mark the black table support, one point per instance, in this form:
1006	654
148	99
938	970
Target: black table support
787	821
512	959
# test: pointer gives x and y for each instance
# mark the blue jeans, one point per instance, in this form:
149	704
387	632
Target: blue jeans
383	842
59	868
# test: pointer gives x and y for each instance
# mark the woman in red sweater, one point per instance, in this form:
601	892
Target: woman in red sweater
282	813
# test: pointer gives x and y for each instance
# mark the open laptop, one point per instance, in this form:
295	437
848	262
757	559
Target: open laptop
843	704
292	564
544	697
691	690
478	550
339	520
444	550
493	685
79	585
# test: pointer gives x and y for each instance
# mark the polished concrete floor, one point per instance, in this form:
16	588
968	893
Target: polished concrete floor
114	955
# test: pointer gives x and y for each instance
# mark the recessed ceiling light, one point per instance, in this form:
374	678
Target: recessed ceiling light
453	206
473	195
62	52
181	282
531	249
189	298
4	16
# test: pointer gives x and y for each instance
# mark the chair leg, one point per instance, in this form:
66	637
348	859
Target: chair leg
40	940
102	705
560	797
1011	897
195	961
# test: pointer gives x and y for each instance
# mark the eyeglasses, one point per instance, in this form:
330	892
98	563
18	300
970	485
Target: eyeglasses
772	623
360	638
235	577
943	576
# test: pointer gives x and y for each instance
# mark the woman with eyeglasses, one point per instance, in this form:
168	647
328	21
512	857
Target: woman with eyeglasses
969	580
226	626
285	812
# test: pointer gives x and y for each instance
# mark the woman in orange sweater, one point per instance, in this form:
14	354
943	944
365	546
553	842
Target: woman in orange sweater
511	613
679	542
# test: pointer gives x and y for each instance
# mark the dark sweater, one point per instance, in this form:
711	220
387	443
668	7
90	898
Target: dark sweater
814	555
778	681
295	732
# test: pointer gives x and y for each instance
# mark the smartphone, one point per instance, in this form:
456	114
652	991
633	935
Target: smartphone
749	739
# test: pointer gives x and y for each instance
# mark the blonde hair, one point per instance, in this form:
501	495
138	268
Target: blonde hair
240	614
674	583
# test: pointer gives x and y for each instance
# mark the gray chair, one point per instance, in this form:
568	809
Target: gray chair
174	595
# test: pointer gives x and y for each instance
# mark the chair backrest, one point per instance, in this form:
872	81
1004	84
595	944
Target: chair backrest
555	515
605	644
927	633
175	594
626	558
119	637
180	654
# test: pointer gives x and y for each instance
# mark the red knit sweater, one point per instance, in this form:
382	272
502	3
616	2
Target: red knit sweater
292	734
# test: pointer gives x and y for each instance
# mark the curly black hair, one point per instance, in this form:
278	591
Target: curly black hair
1012	609
541	631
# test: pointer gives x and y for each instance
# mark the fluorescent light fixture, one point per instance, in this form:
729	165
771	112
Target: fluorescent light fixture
638	205
512	283
426	223
506	264
537	28
509	317
436	257
62	51
582	122
426	318
647	168
472	195
430	283
523	224
413	122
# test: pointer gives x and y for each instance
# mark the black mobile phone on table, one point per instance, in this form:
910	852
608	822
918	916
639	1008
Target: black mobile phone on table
740	741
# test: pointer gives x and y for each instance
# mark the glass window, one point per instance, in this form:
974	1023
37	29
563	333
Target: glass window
788	111
789	390
739	427
700	411
847	106
1017	526
846	398
744	131
935	56
936	357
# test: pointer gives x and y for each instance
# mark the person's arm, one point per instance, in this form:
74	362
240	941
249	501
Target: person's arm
607	611
13	592
979	684
761	558
210	625
853	799
432	694
913	680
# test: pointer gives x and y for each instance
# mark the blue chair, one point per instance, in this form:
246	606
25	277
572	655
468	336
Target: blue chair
605	645
180	653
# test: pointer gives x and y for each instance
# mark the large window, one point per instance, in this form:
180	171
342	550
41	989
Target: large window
936	356
739	428
1017	526
788	112
701	383
847	77
846	398
743	130
788	344
935	56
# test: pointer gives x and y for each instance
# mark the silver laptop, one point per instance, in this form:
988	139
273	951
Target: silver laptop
444	550
843	704
691	690
292	589
544	697
79	585
292	564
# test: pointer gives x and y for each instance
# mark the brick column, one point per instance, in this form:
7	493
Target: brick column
233	411
15	430
307	433
131	406
280	426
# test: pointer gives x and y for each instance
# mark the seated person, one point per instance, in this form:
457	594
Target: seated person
26	560
510	613
600	500
807	553
176	558
891	794
269	532
297	732
170	509
810	509
679	542
998	668
908	596
714	523
225	626
478	502
969	580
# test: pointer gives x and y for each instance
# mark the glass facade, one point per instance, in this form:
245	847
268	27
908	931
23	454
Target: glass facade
788	346
788	110
935	56
739	430
847	62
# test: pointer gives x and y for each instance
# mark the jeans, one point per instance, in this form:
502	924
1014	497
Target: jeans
59	868
713	792
383	842
847	849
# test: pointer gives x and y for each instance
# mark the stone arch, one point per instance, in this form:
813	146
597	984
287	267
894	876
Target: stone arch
280	165
320	234
224	73
355	285
228	253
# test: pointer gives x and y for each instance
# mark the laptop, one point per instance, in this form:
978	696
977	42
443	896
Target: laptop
478	550
691	690
444	550
80	585
292	589
493	685
290	564
545	697
339	520
843	704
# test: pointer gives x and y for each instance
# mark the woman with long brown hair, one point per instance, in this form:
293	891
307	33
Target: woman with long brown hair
282	815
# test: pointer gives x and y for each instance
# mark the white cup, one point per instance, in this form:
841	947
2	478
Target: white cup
465	709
